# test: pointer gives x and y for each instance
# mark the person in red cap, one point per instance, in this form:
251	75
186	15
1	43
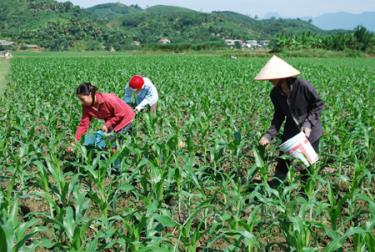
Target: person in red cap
116	114
147	94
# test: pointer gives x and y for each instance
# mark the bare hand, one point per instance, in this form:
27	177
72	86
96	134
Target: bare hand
307	131
105	129
264	141
70	149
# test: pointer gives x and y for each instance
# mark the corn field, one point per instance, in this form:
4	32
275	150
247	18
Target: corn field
193	177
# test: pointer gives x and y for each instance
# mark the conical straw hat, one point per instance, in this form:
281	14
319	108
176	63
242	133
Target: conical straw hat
276	68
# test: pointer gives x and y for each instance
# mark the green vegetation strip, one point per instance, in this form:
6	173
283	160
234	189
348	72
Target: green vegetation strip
192	178
4	69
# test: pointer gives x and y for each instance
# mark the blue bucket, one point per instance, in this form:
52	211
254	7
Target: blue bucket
95	140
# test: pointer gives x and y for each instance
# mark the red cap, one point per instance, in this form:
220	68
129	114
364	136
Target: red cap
136	82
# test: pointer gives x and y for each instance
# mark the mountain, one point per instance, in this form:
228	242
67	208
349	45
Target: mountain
54	25
182	24
344	20
16	15
112	10
166	9
60	26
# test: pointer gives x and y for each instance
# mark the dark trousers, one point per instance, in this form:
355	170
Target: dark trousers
126	130
282	166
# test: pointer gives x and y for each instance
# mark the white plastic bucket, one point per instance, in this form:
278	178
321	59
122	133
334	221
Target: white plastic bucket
299	147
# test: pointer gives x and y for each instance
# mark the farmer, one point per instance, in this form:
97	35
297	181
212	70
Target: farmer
117	115
147	94
297	103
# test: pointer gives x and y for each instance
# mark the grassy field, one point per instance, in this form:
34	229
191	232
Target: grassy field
4	69
257	53
189	174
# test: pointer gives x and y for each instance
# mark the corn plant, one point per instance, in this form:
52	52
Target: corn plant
192	176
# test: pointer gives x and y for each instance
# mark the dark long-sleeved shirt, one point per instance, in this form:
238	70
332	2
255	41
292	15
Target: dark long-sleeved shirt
301	108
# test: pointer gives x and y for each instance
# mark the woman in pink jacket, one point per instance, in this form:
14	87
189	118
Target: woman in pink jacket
117	115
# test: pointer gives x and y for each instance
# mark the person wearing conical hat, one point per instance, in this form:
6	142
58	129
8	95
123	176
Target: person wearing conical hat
297	103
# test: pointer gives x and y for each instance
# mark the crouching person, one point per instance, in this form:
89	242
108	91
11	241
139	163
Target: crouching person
297	103
146	93
117	115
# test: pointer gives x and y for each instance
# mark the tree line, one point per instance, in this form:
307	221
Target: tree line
360	39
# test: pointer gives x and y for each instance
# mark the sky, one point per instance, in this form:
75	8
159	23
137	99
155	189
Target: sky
261	8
